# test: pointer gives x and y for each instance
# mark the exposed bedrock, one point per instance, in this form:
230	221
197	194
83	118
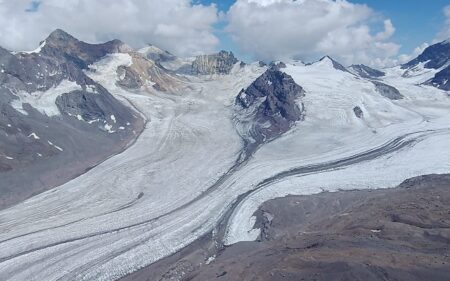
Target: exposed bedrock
358	112
220	63
387	91
269	107
365	71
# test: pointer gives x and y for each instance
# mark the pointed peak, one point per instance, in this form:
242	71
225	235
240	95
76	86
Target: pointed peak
59	35
325	58
333	63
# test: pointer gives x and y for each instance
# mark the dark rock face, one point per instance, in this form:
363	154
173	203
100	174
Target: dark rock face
220	63
366	72
269	106
38	151
387	91
441	80
95	108
436	56
61	44
358	112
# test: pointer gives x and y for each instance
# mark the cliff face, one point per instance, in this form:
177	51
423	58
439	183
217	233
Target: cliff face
269	106
220	63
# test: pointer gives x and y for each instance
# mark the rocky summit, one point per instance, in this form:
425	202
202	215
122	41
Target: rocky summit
270	105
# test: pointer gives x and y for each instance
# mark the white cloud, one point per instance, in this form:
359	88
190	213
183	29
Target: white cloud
306	29
444	34
176	25
404	58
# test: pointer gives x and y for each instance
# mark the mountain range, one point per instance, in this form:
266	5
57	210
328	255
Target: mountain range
103	147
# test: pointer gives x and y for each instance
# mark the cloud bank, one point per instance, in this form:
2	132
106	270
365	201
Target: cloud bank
176	25
444	34
305	29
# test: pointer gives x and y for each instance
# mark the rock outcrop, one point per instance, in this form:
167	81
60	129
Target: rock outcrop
387	91
269	106
220	63
358	112
366	72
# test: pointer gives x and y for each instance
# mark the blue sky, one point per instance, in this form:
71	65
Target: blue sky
416	21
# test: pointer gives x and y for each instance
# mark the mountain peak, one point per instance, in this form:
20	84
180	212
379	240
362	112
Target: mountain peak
59	36
66	47
156	54
333	63
325	58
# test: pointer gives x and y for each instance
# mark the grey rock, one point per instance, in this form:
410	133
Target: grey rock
387	91
131	79
365	71
358	112
269	106
220	63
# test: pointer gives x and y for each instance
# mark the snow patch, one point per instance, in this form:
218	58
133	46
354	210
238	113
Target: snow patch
37	50
109	129
55	146
34	136
44	101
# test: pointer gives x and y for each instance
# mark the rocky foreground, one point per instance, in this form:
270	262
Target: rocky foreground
387	234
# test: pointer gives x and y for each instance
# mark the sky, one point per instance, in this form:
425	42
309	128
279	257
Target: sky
378	33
